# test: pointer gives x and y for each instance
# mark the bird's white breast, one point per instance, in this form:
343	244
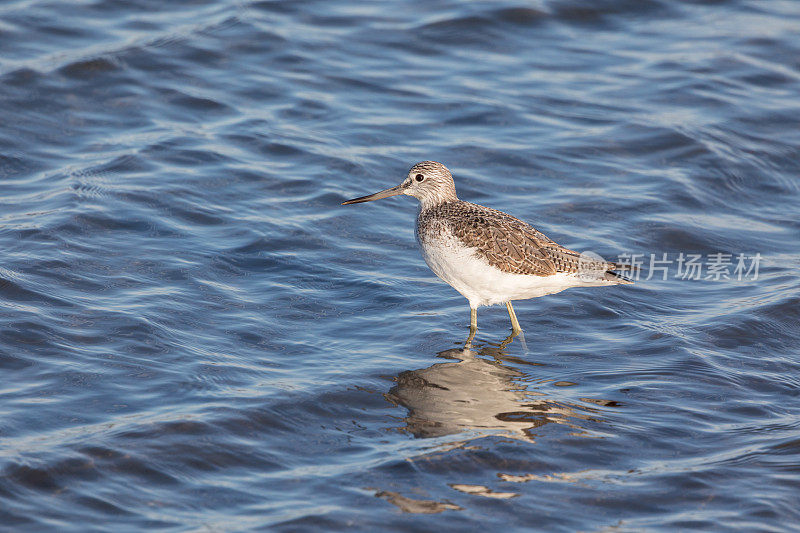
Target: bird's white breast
478	281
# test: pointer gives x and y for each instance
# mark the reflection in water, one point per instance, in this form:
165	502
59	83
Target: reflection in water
482	392
479	394
410	505
481	490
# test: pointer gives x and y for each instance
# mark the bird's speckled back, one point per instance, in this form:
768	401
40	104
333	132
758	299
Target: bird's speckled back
506	242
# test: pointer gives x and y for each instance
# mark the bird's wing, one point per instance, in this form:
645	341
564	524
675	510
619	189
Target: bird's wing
510	244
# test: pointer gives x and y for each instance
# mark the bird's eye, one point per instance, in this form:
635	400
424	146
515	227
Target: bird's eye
419	177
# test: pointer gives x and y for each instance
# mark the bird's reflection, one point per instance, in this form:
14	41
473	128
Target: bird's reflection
478	392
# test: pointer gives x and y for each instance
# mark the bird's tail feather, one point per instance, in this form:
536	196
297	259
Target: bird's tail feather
617	278
620	277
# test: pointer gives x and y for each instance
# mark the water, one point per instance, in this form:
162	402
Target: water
196	335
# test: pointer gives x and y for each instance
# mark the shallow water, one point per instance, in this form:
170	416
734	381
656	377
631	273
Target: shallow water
196	335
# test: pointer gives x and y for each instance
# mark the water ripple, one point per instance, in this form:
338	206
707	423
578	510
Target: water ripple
196	335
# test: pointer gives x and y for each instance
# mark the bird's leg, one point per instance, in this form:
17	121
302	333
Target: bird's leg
473	326
514	322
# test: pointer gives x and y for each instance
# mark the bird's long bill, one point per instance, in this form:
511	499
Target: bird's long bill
377	196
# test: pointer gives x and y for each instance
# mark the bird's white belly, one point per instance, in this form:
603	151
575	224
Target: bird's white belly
481	283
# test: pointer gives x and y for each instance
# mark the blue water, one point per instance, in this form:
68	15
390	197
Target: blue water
195	335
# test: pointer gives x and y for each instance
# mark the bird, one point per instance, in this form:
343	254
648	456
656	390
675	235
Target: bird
489	256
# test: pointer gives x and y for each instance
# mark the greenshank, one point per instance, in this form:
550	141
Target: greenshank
488	256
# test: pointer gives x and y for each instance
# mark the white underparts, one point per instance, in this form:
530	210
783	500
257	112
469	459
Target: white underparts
483	284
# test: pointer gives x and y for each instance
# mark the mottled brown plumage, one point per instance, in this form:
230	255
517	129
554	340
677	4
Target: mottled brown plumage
504	241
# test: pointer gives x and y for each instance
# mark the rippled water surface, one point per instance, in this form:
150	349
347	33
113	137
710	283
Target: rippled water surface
194	334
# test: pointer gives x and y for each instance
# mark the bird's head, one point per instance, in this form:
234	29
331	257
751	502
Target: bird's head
429	182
